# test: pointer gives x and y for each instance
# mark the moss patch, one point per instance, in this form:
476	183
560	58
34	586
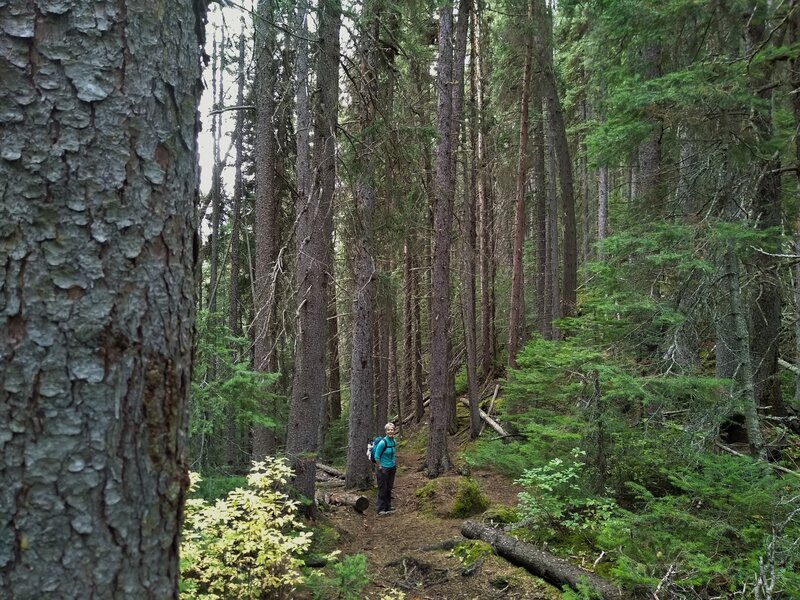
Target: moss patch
501	514
452	497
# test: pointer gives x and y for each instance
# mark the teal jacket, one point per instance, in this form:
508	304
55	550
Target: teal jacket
384	453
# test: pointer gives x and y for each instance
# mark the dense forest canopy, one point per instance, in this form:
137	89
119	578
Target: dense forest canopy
576	219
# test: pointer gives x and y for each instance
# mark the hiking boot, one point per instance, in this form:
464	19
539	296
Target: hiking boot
382	513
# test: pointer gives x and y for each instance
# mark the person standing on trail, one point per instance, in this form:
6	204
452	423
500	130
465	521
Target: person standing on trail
387	466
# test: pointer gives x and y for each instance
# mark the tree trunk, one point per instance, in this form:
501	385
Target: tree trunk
267	225
234	320
649	151
485	209
326	111
409	356
98	199
516	321
541	563
602	203
359	473
232	445
765	313
218	94
543	325
438	458
311	280
469	248
552	280
564	163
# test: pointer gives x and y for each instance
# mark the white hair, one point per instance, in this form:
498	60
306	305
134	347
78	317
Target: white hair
388	426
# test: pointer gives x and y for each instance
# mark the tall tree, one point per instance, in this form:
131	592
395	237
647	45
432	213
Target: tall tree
560	142
516	322
218	94
311	280
766	309
267	223
234	318
97	202
326	110
358	474
438	458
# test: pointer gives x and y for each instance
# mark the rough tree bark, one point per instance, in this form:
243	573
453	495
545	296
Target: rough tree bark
543	325
438	458
311	280
359	473
564	163
97	216
485	214
555	570
469	247
326	115
516	322
267	224
765	312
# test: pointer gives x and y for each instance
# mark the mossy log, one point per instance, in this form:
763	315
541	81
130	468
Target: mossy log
552	569
330	471
359	503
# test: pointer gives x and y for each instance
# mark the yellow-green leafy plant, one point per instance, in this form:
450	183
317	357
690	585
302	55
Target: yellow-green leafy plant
246	545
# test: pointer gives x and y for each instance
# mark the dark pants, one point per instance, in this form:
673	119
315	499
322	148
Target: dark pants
385	485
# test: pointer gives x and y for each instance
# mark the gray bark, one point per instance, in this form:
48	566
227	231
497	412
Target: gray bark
563	162
308	388
438	459
267	225
469	247
602	203
543	325
555	570
359	474
516	321
326	110
97	217
485	215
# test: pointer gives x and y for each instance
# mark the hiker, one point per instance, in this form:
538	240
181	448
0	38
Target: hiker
387	466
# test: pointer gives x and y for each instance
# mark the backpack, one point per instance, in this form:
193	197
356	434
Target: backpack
372	445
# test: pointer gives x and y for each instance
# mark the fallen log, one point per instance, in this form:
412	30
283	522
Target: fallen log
552	569
329	483
486	419
330	471
359	503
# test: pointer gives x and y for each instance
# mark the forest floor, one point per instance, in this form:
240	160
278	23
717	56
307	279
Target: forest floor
394	544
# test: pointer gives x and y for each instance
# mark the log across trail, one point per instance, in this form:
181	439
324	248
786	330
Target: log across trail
552	569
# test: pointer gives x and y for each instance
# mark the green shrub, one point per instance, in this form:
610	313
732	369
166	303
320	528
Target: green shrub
212	488
248	545
346	581
471	551
727	517
452	497
555	499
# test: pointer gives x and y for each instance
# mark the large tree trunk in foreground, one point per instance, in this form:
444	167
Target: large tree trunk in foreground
97	214
552	569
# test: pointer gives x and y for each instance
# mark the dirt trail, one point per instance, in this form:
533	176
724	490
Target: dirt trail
393	543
